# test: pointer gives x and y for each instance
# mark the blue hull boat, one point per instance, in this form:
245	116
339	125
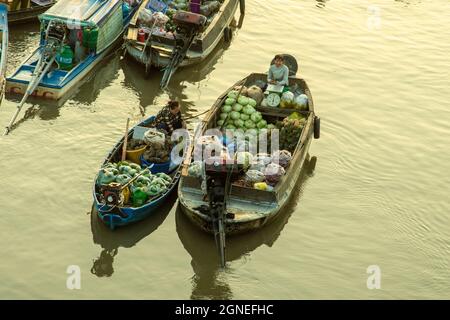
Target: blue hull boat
88	30
3	46
121	216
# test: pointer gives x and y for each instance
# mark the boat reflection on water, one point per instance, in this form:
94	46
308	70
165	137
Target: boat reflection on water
126	237
209	281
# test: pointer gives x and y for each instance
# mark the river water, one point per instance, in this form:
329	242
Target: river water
378	194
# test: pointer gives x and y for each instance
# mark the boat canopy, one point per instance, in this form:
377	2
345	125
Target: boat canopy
81	12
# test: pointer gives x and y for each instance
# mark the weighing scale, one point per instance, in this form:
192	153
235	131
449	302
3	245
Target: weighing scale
273	93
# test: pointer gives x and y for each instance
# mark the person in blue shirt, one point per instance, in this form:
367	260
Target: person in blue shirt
278	72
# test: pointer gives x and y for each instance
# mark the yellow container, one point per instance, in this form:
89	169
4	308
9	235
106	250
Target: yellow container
134	155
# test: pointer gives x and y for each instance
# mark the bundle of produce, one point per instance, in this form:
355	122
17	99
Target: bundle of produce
145	188
209	7
195	169
260	162
273	173
136	144
244	158
291	101
145	18
302	102
290	131
282	157
239	113
178	5
157	153
254	176
243	91
256	93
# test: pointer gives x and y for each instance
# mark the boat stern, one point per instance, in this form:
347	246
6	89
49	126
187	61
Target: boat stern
49	87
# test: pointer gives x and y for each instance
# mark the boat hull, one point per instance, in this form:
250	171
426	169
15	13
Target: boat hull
27	15
15	86
208	41
251	209
122	216
18	83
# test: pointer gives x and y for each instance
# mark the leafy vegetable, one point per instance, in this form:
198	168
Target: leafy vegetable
226	108
237	107
235	115
230	101
243	100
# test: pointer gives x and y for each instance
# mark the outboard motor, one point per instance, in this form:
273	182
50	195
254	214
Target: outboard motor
188	25
218	185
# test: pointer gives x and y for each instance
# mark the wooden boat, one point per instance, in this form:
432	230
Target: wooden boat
29	14
3	46
159	49
116	216
108	18
248	208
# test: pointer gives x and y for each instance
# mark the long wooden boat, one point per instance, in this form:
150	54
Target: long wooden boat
3	46
248	208
116	216
106	17
158	51
29	14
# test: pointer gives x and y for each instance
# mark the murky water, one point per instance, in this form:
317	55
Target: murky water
379	74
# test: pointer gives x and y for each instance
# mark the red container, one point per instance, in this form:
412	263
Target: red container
141	36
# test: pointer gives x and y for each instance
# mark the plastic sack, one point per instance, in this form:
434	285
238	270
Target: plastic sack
261	186
145	18
153	136
106	176
244	158
195	169
160	19
302	102
209	7
254	176
282	157
287	96
256	94
273	173
264	158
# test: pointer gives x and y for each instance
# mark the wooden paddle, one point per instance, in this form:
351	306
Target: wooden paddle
125	141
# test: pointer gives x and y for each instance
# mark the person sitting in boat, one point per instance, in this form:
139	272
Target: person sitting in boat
169	118
278	72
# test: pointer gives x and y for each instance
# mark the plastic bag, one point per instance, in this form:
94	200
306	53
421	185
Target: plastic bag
209	7
160	19
287	96
255	93
254	176
282	157
152	136
195	169
273	173
260	186
145	18
302	102
244	158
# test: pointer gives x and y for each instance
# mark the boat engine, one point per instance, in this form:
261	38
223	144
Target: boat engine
112	194
188	25
218	186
